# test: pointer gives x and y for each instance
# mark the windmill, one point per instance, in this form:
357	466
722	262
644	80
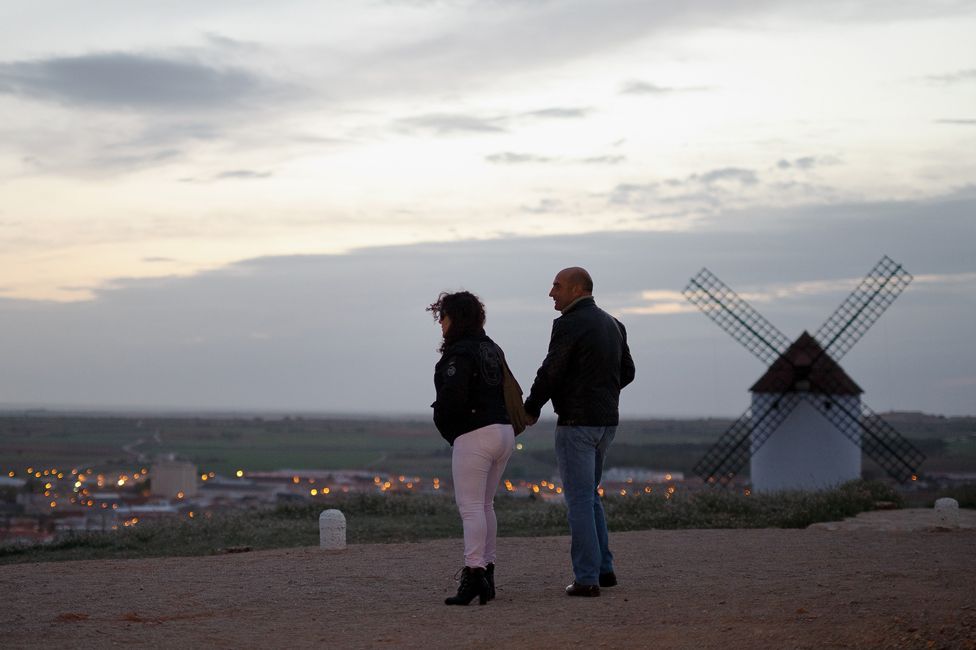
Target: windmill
805	397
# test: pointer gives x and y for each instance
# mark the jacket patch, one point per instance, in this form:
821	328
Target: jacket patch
491	364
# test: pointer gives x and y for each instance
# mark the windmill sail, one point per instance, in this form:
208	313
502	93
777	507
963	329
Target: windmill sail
732	451
736	316
863	307
805	370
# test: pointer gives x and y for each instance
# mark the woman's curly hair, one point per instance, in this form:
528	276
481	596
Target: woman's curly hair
466	311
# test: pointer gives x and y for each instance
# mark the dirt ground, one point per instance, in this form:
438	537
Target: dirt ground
910	586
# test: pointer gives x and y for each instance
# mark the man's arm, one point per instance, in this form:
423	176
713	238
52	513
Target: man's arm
552	370
627	368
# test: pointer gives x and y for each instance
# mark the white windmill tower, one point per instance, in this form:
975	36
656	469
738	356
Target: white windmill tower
805	397
808	452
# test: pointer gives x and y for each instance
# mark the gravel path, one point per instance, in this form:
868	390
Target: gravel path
770	588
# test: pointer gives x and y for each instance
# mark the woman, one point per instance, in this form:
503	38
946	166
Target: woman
470	413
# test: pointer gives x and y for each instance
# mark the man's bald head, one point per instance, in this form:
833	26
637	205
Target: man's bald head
579	277
570	284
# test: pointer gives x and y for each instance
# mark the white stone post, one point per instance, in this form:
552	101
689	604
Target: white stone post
332	530
947	511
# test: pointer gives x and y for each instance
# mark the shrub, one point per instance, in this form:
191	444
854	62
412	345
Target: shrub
378	518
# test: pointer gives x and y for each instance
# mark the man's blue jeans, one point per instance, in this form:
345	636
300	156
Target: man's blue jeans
580	452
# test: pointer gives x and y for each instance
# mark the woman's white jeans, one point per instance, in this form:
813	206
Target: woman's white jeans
477	464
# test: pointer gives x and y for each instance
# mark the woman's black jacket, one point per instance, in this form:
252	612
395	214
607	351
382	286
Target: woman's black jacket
469	382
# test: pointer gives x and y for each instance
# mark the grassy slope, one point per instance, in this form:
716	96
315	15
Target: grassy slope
407	517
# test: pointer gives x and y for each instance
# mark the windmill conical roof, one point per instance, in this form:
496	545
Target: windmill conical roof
805	366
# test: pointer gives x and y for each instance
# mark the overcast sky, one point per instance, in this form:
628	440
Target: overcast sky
233	205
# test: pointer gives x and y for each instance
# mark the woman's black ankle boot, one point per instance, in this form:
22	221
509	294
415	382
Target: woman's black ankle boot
490	575
473	583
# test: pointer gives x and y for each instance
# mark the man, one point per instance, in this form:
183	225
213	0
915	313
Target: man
587	365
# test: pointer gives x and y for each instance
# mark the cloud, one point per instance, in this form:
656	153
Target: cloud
313	332
124	112
658	302
135	160
630	193
697	191
643	88
455	123
136	145
948	282
232	174
658	309
227	43
961	76
512	158
544	206
727	174
806	162
156	132
604	160
470	45
798	290
636	87
127	80
695	199
961	122
451	124
246	174
559	113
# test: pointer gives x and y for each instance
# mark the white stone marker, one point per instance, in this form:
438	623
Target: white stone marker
332	530
947	511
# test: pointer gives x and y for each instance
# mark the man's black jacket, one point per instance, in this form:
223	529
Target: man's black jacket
469	380
587	365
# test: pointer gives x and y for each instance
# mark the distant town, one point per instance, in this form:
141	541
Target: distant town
39	504
115	471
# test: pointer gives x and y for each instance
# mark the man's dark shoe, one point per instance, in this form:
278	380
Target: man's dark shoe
577	589
608	579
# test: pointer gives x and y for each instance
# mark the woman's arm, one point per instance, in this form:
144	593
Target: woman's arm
453	383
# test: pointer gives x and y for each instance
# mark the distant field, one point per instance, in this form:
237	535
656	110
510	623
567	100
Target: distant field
407	445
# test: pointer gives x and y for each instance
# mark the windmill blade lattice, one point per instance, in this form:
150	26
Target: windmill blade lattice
736	316
865	428
888	448
836	337
732	450
878	439
863	307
